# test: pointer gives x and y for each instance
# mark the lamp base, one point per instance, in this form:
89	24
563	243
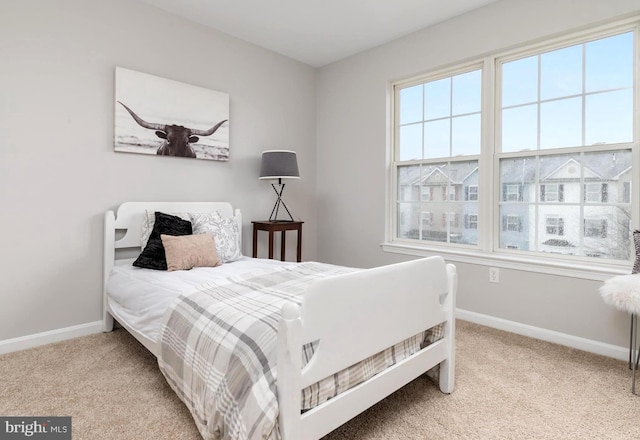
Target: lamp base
279	202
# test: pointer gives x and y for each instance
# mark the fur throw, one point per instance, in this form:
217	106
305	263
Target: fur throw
622	292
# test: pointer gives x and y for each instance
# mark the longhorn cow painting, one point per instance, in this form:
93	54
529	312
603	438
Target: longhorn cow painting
163	117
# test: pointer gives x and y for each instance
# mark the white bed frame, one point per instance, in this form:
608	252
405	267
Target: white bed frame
122	233
353	316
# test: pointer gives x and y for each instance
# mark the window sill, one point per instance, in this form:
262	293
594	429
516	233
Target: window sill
583	270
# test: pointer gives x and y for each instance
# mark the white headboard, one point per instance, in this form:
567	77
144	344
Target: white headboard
122	229
130	215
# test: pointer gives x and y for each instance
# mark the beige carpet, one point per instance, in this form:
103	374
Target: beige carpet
507	387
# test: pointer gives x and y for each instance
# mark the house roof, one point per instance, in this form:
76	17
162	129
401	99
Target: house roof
426	174
600	166
606	166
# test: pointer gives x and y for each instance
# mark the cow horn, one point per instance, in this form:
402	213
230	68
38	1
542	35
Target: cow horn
142	122
209	131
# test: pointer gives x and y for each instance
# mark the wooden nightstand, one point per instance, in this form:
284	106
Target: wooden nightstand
271	227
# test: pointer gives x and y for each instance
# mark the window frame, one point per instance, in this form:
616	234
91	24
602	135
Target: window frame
450	194
488	251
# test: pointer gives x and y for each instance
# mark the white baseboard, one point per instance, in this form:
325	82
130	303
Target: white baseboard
609	350
30	341
613	351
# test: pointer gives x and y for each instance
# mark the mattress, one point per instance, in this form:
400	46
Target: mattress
141	296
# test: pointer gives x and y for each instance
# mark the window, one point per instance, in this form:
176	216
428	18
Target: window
555	226
426	193
471	221
438	143
566	98
426	219
577	95
626	192
552	192
560	117
471	193
595	227
512	223
596	192
450	219
512	193
453	192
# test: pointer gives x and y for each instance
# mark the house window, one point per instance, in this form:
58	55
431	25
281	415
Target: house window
553	192
626	192
426	193
512	223
471	221
596	192
595	227
426	219
560	119
453	193
471	193
512	193
450	219
555	226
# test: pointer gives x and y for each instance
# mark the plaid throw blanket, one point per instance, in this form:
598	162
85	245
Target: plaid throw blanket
219	345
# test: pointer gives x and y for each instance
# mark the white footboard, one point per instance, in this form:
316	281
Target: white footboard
355	316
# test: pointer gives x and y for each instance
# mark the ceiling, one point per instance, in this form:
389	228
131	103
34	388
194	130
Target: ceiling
318	32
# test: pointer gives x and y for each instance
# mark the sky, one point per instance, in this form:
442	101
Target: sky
573	96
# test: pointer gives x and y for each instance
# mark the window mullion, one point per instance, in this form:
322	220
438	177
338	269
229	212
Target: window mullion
486	180
583	199
538	104
584	91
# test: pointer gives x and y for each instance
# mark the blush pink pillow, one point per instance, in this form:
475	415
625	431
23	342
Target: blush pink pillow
184	252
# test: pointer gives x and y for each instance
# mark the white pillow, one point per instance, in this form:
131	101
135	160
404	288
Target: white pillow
149	220
225	232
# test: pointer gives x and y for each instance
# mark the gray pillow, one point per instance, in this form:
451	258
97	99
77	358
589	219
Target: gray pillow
225	233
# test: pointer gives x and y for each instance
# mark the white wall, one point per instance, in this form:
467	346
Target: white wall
58	170
352	135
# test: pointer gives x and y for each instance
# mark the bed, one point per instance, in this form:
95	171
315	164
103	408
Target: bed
327	321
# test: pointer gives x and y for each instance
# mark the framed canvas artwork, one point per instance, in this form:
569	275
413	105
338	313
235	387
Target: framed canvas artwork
163	117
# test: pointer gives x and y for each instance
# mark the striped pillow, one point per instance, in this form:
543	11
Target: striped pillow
636	242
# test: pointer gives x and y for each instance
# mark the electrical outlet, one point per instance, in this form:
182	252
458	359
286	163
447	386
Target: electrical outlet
494	275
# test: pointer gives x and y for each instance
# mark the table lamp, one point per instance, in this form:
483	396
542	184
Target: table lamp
279	164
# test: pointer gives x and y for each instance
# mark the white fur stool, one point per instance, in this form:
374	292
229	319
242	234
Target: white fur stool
623	293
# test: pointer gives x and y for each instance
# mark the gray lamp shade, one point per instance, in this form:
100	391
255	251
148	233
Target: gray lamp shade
279	164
